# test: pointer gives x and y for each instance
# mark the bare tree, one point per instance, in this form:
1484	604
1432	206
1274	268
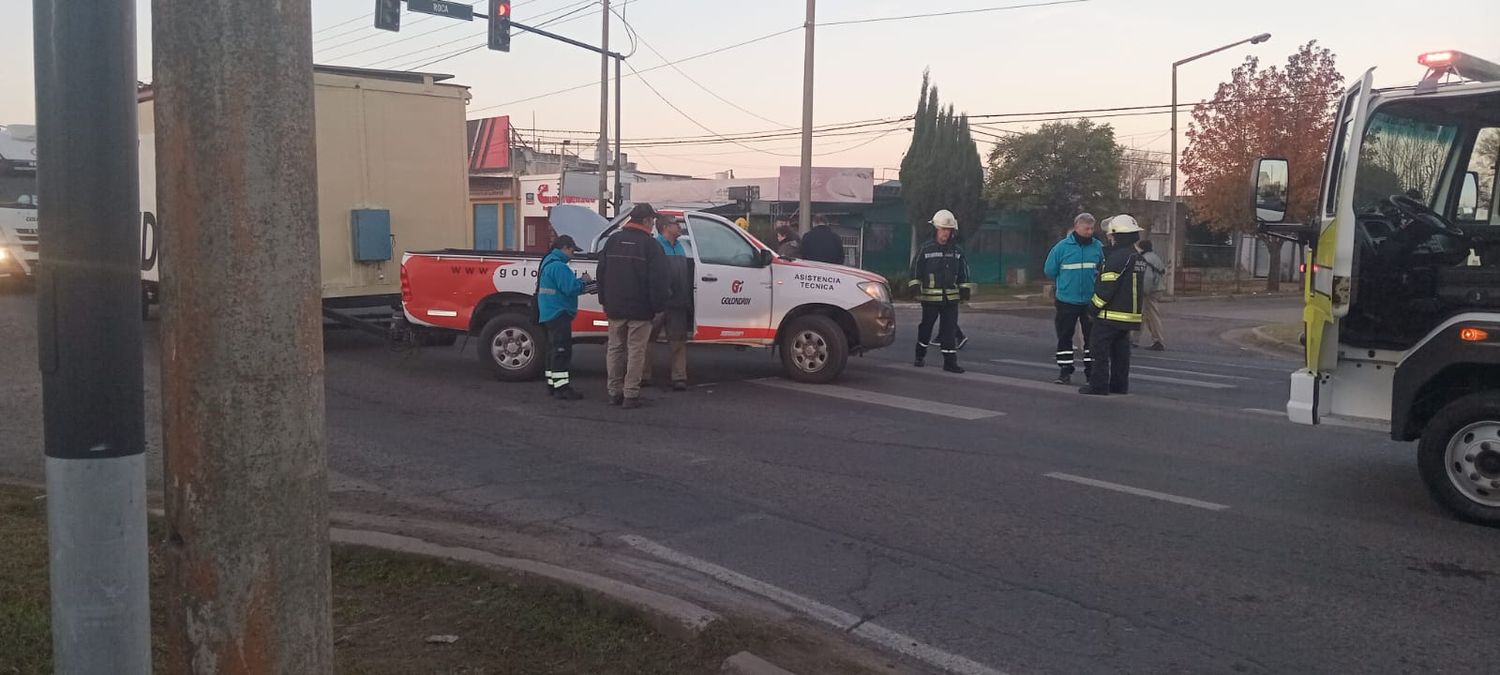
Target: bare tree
1138	167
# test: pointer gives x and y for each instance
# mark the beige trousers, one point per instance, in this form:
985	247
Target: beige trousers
1151	316
676	343
628	341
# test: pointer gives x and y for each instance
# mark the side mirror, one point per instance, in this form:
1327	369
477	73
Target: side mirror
1468	197
766	256
1269	191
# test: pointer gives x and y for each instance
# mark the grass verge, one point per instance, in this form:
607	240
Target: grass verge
386	605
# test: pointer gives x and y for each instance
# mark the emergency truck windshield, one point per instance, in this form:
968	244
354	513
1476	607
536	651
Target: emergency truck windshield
17	188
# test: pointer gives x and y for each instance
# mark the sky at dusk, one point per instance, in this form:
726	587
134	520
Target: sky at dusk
1080	55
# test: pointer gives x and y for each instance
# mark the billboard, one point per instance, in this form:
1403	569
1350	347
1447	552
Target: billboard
489	144
839	185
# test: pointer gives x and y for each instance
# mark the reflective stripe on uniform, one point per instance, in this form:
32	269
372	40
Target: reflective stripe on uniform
1120	316
1078	266
1099	302
1109	276
546	291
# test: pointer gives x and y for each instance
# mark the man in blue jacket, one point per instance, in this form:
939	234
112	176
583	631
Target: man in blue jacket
557	291
1072	264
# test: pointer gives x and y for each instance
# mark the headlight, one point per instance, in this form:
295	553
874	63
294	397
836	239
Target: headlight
876	290
3	254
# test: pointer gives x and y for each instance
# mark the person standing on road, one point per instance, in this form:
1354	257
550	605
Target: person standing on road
557	291
1071	265
788	242
1151	288
940	279
1117	306
674	319
633	287
823	245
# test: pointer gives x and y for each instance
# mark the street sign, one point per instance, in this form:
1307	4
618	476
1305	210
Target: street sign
452	10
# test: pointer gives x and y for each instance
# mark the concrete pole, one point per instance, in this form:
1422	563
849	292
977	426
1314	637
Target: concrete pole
804	203
242	359
1177	224
604	113
89	335
618	194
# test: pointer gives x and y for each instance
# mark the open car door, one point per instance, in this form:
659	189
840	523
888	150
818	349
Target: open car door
1329	284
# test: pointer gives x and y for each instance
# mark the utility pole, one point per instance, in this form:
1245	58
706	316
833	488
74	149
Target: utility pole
804	204
242	360
89	336
619	196
604	113
1175	240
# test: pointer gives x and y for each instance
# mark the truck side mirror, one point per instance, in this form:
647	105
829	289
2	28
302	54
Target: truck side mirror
1468	197
1270	189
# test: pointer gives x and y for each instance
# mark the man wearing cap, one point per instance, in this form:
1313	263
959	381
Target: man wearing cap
557	291
673	320
1117	308
1072	265
634	285
939	280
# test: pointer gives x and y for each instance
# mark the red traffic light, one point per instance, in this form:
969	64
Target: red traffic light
1437	59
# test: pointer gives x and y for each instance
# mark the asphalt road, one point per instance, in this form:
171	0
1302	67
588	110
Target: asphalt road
992	515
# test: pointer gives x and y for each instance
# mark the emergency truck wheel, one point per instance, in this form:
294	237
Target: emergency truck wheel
814	349
1459	457
511	346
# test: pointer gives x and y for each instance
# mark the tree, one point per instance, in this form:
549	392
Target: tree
1137	169
1272	112
1058	171
941	169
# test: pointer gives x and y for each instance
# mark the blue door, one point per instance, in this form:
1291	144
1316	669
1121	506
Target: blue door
487	227
512	228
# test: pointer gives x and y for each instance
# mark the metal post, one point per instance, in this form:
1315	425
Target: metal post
804	204
1176	236
242	367
619	194
604	112
89	336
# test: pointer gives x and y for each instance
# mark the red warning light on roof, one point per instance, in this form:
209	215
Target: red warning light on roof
1436	59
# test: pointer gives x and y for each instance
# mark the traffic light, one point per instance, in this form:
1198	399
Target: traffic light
500	25
388	15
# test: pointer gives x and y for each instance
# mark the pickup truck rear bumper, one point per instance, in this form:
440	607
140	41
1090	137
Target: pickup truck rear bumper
875	322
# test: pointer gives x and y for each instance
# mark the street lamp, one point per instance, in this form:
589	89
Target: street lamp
1177	241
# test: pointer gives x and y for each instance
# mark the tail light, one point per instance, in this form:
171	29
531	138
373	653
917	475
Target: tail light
405	286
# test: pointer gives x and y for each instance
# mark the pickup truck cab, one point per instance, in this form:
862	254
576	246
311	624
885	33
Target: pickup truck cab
745	295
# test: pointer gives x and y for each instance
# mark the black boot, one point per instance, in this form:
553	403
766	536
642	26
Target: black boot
921	356
567	393
950	363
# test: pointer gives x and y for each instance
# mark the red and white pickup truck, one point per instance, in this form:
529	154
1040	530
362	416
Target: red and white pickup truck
744	294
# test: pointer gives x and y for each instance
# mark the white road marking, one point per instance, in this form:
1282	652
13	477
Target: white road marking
1375	426
1136	366
976	376
1133	376
888	400
1225	363
844	621
1139	492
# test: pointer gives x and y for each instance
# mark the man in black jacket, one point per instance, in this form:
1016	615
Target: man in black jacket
633	286
823	245
1117	305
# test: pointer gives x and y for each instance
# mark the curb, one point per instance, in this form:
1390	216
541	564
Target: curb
1256	339
670	613
745	663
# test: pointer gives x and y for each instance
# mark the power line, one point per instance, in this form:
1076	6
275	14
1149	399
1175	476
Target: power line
982	10
690	118
343	23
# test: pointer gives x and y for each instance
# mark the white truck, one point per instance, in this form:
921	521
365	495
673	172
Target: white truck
1402	291
745	295
18	204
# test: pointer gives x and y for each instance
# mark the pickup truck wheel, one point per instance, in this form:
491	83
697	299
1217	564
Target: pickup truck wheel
814	349
513	348
1459	457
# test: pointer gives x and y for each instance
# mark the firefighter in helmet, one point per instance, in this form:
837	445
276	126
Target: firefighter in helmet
1117	302
939	280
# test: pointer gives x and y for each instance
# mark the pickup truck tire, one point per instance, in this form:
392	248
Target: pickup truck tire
1459	457
513	347
814	349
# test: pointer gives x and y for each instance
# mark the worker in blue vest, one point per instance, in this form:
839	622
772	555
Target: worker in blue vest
1072	264
557	291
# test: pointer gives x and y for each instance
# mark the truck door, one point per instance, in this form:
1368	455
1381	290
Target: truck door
1329	282
732	288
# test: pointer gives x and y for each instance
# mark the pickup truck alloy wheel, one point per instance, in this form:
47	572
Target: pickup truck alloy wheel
1459	457
512	348
813	349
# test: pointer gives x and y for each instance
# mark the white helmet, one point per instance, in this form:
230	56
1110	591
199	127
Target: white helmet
1122	224
944	220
